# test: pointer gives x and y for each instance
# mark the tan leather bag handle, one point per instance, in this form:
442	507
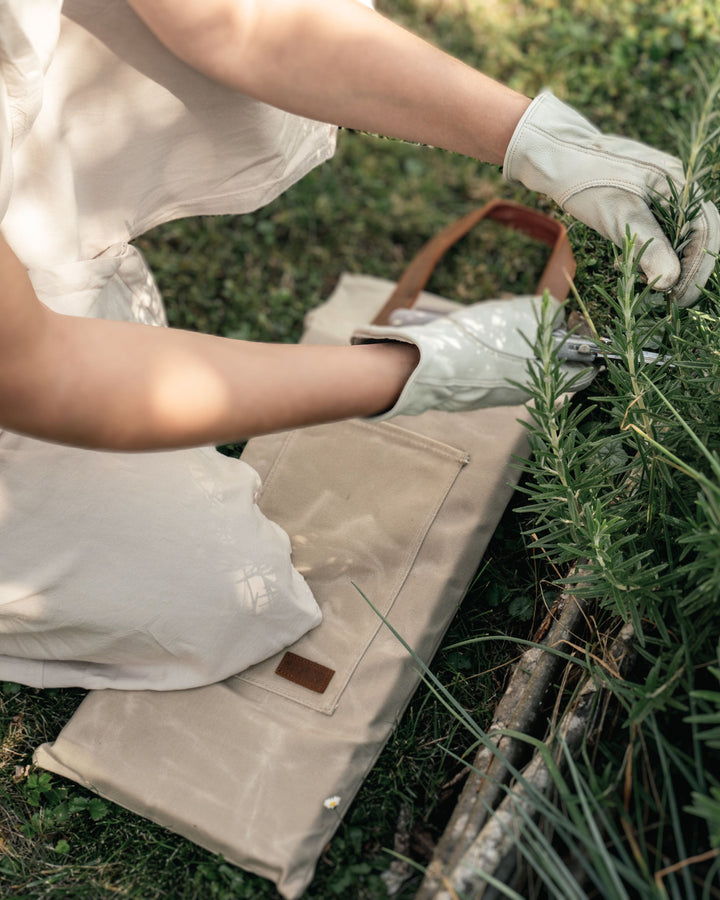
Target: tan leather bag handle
556	277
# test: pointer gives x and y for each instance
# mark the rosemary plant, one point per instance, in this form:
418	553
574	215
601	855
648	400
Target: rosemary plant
629	484
697	139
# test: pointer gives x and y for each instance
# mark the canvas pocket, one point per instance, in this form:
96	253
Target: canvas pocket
355	540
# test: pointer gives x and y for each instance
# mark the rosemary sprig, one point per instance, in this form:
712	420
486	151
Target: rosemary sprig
697	137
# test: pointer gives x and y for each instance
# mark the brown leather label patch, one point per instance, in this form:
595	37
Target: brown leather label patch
305	672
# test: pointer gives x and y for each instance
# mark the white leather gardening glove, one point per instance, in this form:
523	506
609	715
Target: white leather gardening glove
468	357
606	181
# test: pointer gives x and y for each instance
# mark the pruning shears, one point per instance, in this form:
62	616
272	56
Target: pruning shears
581	349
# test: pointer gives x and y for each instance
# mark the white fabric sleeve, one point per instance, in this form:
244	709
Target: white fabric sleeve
29	32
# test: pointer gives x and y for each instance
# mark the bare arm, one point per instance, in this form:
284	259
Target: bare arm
122	386
338	61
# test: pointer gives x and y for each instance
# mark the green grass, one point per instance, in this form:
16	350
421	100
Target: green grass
628	66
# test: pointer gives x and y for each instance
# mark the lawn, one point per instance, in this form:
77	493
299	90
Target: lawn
631	67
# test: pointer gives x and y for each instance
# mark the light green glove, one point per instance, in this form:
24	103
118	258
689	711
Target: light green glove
468	357
606	182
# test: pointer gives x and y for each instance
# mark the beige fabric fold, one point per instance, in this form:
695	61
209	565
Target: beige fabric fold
398	512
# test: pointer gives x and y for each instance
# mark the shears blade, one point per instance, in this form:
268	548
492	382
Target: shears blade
581	349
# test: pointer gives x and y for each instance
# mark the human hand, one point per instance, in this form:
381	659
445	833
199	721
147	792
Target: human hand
607	182
473	358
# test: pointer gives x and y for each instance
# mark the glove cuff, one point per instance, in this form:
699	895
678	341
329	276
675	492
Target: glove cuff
536	156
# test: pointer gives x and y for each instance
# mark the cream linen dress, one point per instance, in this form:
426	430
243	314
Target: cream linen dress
130	570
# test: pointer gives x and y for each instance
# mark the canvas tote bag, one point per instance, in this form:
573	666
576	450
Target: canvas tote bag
399	513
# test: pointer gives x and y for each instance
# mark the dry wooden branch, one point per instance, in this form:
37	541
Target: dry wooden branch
483	833
517	711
